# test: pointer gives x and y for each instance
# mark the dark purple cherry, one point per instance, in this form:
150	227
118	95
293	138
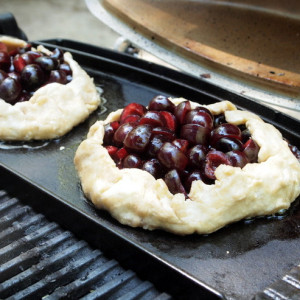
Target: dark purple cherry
237	158
225	130
199	117
152	118
132	161
4	61
161	103
251	149
156	143
3	75
219	119
246	135
195	134
109	131
10	90
181	110
171	157
181	144
15	75
173	181
204	109
193	176
19	63
32	77
164	131
138	138
25	96
29	57
132	109
66	68
214	159
154	167
58	54
57	76
47	63
226	144
168	120
295	151
121	133
197	155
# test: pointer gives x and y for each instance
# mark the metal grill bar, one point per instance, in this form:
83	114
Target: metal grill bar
38	259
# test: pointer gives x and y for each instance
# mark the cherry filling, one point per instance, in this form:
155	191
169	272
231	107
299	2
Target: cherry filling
177	143
23	71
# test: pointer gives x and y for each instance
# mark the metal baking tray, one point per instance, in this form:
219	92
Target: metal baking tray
236	262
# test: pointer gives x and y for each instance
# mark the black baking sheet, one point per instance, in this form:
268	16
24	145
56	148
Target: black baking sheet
236	262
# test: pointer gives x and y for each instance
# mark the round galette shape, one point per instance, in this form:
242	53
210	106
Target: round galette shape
43	94
221	188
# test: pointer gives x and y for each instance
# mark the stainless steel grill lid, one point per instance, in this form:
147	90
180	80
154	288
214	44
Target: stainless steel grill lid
246	47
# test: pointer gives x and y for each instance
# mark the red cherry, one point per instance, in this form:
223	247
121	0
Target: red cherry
214	159
168	120
251	149
225	130
171	157
161	103
132	109
138	138
181	110
152	118
173	181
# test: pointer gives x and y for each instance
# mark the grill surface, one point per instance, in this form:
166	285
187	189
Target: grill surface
39	259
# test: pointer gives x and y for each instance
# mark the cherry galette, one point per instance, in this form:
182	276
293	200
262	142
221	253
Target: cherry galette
177	143
43	94
185	168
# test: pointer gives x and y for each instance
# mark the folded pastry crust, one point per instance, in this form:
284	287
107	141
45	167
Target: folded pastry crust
53	110
136	198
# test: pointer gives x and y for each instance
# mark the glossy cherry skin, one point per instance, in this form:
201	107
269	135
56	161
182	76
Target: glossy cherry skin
193	176
173	181
10	90
4	61
181	110
237	158
152	118
171	157
154	167
155	144
161	103
199	117
132	109
121	133
214	159
32	77
3	75
226	144
225	130
251	149
195	134
47	63
57	76
109	131
138	138
132	161
197	155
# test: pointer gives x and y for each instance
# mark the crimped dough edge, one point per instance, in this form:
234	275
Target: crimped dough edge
137	199
53	110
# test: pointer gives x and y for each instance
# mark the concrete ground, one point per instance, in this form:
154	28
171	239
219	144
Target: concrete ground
69	19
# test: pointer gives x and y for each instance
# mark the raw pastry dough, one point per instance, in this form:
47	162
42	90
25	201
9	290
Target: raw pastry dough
53	110
135	198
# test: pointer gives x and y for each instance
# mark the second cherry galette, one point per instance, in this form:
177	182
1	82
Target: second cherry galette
187	168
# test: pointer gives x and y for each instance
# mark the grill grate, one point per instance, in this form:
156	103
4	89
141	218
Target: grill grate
39	259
